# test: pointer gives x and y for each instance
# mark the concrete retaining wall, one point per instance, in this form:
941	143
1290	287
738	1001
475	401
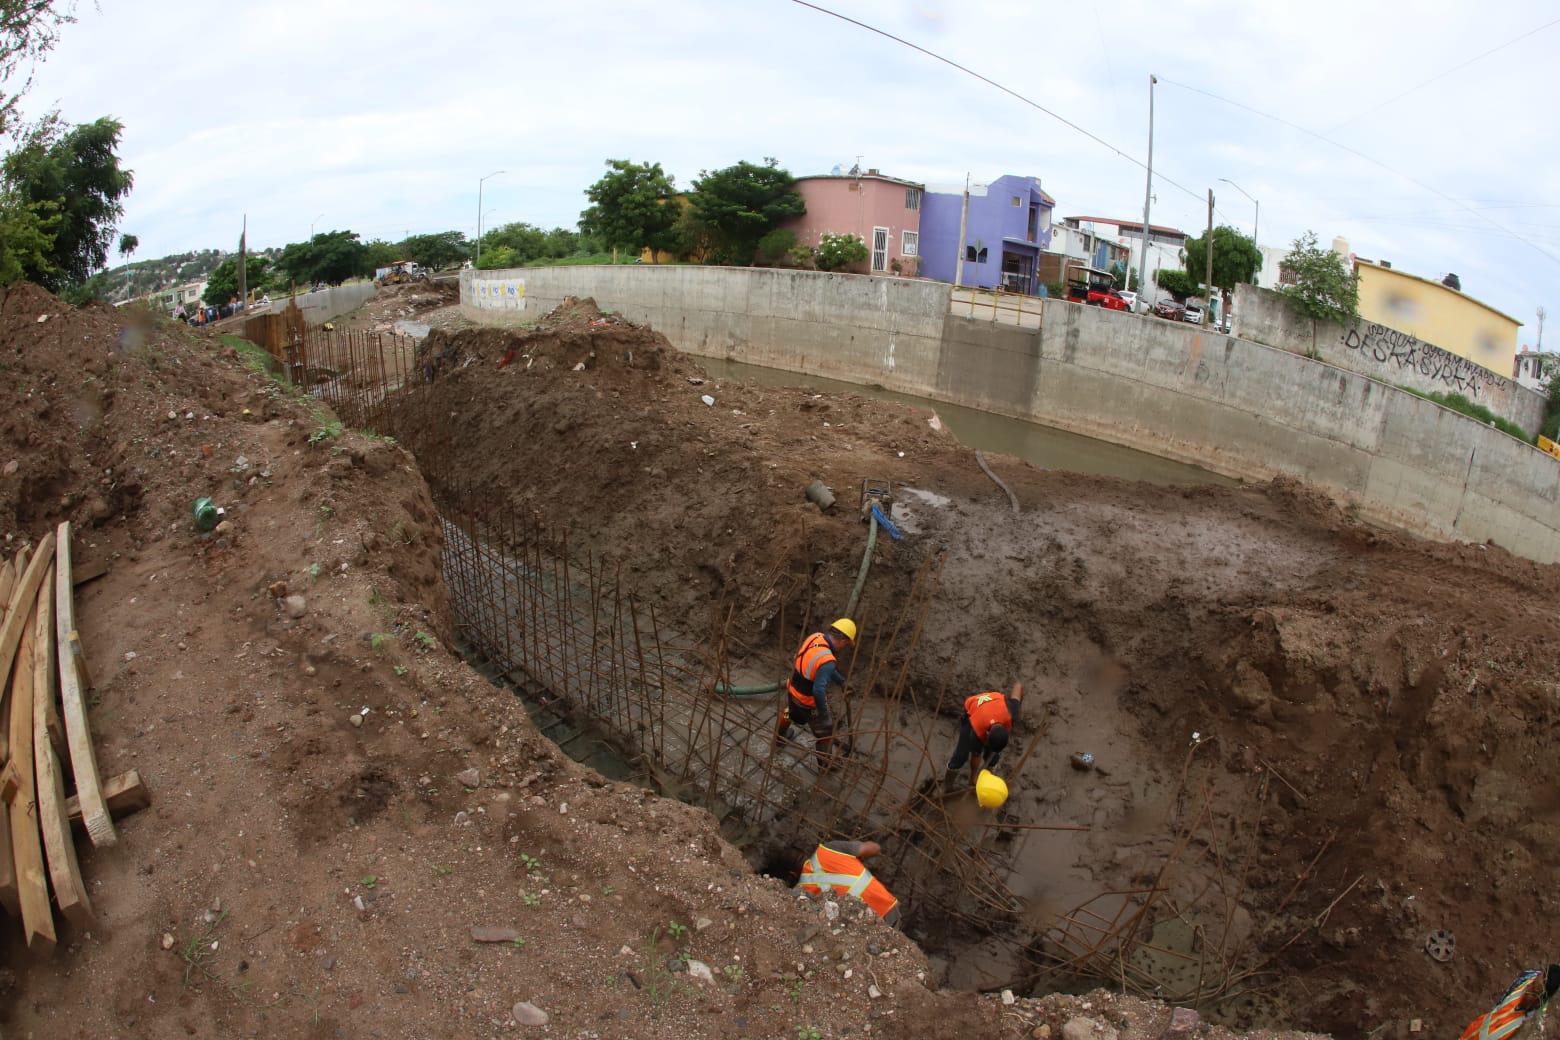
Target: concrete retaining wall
1264	316
1237	407
323	305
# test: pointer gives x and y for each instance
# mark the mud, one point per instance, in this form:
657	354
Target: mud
1337	730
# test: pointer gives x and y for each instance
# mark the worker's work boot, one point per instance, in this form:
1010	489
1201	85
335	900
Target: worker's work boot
950	781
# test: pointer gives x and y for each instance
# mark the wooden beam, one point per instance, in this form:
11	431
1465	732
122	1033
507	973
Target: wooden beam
85	572
7	579
34	666
70	893
18	615
78	735
125	793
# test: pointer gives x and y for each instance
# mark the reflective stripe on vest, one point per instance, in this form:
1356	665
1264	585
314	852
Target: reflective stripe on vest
986	710
846	874
815	652
1506	1017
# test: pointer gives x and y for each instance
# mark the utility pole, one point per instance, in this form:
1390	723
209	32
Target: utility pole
243	265
1148	195
964	225
1541	316
1208	265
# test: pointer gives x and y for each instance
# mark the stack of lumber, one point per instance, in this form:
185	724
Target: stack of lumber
43	728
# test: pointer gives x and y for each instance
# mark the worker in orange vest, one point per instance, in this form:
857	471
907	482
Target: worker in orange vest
806	701
838	867
1524	1001
983	732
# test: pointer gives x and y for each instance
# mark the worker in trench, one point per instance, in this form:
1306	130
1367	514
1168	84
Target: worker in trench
806	701
1522	1005
840	867
984	730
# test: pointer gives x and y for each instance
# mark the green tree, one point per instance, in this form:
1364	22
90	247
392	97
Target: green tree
331	257
497	258
378	253
76	169
1177	283
1236	259
26	238
777	246
1324	287
29	29
436	251
837	252
740	204
631	205
222	282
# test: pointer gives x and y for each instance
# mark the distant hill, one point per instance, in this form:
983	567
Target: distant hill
139	277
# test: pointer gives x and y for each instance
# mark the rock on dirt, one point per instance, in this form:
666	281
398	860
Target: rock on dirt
528	1014
295	606
469	778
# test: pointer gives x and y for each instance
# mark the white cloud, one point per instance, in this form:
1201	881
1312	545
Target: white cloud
382	117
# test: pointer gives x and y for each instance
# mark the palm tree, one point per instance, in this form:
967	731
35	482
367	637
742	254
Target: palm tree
128	245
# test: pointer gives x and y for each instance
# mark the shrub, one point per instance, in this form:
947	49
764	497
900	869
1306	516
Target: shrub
1473	410
775	247
1324	286
837	252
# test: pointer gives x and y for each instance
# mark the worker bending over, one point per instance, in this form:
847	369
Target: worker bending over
1524	1002
983	732
806	701
838	866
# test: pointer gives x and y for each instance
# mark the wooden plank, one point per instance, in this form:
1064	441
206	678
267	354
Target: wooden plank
7	579
85	572
34	665
70	893
18	615
125	794
78	735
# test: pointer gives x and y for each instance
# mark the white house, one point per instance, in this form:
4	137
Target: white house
1534	369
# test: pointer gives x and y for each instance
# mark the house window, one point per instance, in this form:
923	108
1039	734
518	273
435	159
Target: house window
880	249
1017	202
910	243
973	256
912	198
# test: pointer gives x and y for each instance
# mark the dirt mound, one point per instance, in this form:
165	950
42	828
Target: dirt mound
1381	700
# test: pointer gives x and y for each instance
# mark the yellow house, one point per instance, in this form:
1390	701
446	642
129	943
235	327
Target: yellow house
1437	314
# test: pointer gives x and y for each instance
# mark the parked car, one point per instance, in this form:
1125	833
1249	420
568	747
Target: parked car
1192	314
1130	297
1169	309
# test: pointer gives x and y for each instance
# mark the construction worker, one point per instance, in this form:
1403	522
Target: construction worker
806	701
1524	1001
983	732
838	866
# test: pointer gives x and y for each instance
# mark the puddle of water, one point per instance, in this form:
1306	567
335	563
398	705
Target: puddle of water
414	329
1043	446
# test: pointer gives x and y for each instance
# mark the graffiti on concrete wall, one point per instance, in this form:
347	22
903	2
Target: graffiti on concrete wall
1391	347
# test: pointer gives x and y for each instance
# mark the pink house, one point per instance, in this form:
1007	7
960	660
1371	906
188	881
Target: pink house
884	212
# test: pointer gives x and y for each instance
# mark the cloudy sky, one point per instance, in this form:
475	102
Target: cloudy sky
381	117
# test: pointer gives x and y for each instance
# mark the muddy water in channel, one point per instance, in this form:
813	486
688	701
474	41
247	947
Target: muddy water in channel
1042	446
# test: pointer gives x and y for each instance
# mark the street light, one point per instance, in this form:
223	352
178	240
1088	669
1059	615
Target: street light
480	181
1148	195
1257	216
312	223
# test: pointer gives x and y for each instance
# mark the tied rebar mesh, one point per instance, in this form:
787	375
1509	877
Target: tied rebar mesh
558	620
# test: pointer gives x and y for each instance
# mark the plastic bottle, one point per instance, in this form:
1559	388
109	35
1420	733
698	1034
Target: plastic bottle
207	515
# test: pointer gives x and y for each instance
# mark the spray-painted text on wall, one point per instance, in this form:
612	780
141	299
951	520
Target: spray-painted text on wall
1389	346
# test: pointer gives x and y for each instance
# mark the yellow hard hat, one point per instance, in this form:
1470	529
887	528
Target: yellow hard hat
845	627
990	790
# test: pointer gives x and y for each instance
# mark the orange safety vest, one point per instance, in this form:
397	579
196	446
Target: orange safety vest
1508	1016
986	710
815	652
846	875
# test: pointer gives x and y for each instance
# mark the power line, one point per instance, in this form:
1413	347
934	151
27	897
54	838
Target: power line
993	83
1442	75
1361	155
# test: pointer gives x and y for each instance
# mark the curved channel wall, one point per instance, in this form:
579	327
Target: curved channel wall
1233	406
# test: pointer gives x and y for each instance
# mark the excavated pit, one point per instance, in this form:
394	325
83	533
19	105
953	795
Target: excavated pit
1308	733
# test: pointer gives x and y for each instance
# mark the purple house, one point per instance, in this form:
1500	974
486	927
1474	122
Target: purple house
1009	226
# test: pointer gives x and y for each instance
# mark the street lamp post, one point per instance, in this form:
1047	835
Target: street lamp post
316	220
480	181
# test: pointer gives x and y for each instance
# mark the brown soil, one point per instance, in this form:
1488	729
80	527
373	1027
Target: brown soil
1395	696
311	877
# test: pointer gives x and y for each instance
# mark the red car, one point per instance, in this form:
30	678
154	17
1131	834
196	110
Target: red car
1095	288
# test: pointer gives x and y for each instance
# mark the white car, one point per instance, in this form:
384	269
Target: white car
1193	314
1130	297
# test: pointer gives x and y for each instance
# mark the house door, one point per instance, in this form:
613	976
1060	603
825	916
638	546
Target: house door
880	249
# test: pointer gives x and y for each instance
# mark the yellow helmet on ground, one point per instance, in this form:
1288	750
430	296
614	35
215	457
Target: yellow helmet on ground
990	790
845	627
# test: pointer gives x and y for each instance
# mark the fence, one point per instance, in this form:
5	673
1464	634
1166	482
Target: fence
1008	308
560	621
